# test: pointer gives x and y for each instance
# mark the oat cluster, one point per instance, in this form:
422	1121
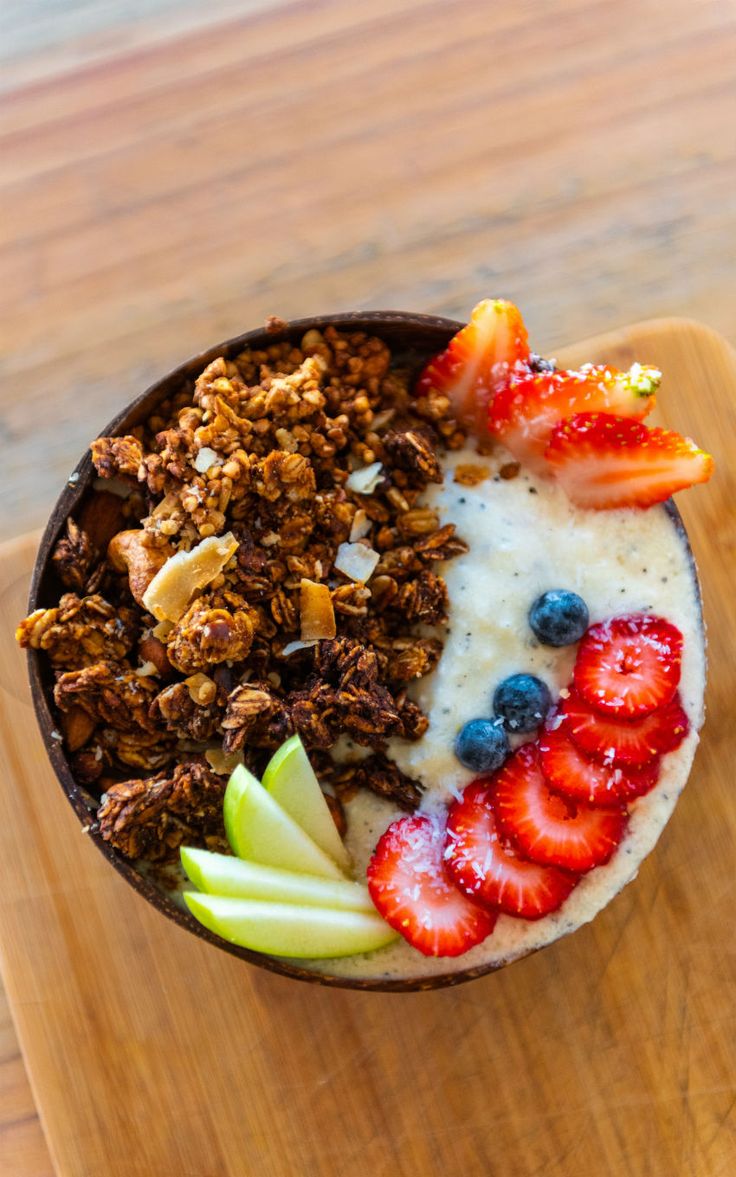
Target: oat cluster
309	464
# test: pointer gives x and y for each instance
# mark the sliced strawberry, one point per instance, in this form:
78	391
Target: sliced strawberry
524	413
628	743
570	772
484	865
629	666
478	360
603	461
414	892
550	829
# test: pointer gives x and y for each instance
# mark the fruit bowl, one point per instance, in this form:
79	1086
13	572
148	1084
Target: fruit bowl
414	338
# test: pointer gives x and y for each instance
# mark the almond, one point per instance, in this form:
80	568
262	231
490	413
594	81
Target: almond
150	649
102	517
77	727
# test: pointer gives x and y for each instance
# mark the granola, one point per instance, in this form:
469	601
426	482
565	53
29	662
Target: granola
309	463
151	818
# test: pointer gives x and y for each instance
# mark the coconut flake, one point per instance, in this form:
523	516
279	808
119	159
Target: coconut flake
146	670
206	458
356	561
113	486
316	611
361	526
365	481
184	574
292	647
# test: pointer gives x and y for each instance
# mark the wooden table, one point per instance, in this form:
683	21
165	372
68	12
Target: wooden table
171	178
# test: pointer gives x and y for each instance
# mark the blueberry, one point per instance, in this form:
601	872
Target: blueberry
521	702
481	745
559	617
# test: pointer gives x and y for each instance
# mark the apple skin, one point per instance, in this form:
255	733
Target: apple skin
291	780
259	830
221	874
289	930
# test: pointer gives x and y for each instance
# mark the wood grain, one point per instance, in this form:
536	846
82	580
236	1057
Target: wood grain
576	155
610	1053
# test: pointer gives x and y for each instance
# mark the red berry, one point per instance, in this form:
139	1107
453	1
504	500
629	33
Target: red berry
624	742
605	461
414	892
479	360
550	829
629	666
570	772
524	413
485	866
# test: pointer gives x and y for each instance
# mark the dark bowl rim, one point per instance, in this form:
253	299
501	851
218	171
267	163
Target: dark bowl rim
78	483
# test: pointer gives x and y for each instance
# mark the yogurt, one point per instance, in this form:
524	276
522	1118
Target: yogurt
525	537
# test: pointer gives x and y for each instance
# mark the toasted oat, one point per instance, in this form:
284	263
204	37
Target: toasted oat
471	473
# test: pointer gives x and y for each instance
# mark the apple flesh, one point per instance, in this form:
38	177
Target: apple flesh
259	830
290	779
285	929
220	874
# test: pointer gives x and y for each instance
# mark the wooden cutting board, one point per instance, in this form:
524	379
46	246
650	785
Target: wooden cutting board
610	1054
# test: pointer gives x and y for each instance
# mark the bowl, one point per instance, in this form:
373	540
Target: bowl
414	338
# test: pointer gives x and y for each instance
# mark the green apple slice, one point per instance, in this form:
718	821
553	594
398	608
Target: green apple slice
220	874
285	929
290	779
259	830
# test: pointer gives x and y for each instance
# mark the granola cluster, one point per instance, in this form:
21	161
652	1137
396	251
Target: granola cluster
271	569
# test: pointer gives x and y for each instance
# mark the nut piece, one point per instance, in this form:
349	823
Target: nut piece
222	762
316	611
77	727
128	552
102	517
202	690
172	588
151	649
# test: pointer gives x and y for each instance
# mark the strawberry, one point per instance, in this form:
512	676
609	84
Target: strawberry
570	772
629	666
479	360
550	829
604	461
414	892
627	743
485	866
524	413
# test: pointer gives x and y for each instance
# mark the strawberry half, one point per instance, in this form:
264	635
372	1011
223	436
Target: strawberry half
570	772
484	865
524	413
414	892
628	743
603	461
479	360
629	666
550	829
